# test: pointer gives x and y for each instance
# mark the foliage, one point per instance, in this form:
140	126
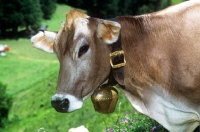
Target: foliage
133	121
5	105
62	1
11	15
32	13
19	13
112	8
48	8
23	13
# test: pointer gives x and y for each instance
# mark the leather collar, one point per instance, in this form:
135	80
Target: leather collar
117	61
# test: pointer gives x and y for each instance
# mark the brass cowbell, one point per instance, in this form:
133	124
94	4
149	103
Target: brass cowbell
105	99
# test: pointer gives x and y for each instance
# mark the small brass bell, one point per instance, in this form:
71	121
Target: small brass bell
105	99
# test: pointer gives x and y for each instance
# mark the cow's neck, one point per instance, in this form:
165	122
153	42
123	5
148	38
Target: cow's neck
136	47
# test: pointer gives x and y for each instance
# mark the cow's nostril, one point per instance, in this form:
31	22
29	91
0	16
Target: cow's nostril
64	104
60	105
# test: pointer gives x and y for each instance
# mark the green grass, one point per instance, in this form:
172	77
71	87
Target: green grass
25	65
176	1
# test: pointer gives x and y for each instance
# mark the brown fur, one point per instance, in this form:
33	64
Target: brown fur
72	16
158	51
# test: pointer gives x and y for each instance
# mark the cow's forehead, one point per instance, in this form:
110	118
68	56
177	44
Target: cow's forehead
76	23
73	16
81	27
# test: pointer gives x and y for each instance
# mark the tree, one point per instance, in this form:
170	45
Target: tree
110	9
137	7
75	3
1	13
126	7
48	8
32	13
5	105
62	1
11	18
113	8
19	13
148	6
101	8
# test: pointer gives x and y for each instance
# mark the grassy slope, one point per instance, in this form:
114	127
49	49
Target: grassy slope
176	1
31	77
25	63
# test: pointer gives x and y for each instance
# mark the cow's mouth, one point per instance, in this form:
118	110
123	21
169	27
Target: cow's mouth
65	103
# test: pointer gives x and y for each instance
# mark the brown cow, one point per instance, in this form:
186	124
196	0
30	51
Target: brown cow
161	77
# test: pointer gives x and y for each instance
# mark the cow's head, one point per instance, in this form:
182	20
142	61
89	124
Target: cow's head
82	49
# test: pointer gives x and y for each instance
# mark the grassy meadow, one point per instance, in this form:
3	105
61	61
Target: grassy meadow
31	78
176	1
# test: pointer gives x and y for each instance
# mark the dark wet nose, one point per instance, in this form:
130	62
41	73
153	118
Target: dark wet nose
60	105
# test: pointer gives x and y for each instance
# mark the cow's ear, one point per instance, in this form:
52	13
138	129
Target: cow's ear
108	31
44	41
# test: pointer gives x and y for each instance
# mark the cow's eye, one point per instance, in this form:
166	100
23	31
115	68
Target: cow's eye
83	50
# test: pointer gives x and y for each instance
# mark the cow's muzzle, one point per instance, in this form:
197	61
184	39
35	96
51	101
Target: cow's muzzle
60	105
66	103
